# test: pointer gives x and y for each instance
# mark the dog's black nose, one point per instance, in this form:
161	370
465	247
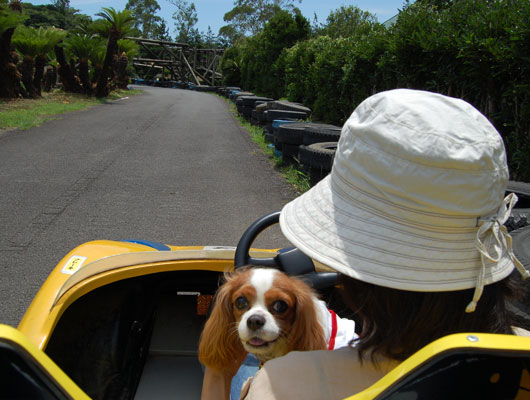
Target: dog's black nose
255	321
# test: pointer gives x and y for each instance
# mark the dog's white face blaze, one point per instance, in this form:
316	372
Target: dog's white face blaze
262	281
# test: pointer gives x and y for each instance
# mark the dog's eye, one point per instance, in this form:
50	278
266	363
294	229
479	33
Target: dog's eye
241	303
279	306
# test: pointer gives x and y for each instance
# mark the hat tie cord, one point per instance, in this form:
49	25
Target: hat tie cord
492	234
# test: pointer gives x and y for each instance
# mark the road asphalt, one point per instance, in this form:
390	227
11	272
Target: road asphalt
167	165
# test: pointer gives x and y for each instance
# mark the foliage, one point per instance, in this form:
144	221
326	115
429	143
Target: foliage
81	46
473	49
36	41
130	47
9	18
250	16
347	21
261	67
230	66
118	22
185	19
146	23
59	15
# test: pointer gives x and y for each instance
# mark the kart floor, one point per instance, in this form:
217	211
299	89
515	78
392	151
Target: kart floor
172	368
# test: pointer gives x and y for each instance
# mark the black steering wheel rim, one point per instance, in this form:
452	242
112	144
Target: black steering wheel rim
242	256
291	261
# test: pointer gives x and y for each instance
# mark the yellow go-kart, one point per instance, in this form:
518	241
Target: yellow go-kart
121	320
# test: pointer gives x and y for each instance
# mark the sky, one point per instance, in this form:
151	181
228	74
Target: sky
211	12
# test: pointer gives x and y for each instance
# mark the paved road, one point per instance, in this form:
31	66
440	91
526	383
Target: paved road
168	165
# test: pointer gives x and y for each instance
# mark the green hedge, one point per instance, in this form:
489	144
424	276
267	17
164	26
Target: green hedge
474	49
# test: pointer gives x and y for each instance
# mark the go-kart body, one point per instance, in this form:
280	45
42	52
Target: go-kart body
122	319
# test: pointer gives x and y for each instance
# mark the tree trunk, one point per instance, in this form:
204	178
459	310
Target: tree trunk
66	75
40	63
95	76
9	75
84	76
27	76
50	77
102	89
122	79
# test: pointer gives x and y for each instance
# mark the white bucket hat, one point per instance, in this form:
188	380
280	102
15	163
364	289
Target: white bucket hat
414	200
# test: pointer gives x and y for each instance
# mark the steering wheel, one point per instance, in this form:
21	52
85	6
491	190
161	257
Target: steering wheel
291	261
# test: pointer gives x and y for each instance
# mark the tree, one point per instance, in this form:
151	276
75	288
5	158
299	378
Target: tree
147	24
348	21
34	44
185	19
127	49
260	61
10	18
250	16
59	15
208	39
119	24
81	47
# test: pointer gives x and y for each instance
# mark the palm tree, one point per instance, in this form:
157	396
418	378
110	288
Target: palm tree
70	81
50	37
127	49
34	44
81	47
119	23
97	59
26	42
10	18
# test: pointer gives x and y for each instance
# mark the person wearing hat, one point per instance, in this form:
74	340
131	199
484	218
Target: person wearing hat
412	216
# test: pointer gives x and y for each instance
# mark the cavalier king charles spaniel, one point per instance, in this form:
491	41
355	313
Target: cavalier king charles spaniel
267	313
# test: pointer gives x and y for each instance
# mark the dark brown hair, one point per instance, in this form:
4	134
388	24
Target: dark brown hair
397	323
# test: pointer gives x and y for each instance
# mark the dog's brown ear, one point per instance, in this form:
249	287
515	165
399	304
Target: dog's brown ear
219	345
307	333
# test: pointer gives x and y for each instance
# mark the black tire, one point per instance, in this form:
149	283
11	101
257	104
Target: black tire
281	114
247	112
521	212
322	133
318	156
269	137
237	95
522	190
292	133
316	176
277	144
288	106
250	101
290	151
519	218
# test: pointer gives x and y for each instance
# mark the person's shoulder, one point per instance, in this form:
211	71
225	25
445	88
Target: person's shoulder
321	374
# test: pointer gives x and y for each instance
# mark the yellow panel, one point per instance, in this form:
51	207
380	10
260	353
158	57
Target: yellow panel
460	341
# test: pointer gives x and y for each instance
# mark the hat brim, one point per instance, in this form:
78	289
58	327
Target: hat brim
355	236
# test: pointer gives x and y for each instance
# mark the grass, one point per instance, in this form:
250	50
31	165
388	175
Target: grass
292	175
26	113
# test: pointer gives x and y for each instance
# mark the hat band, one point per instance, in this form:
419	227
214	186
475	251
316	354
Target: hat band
492	242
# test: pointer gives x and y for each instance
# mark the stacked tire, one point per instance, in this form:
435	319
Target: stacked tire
317	151
246	104
287	138
226	91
